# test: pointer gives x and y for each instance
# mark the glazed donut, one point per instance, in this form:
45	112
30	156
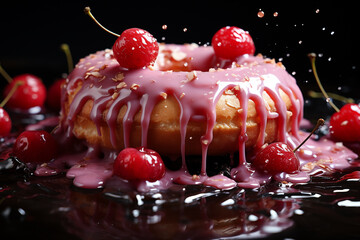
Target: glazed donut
188	103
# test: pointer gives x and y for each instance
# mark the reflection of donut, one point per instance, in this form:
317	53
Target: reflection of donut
189	102
219	215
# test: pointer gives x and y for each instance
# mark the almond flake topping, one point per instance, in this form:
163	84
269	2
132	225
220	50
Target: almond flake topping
163	95
118	77
135	86
229	92
94	74
178	56
205	142
191	76
103	67
121	85
115	95
268	60
195	177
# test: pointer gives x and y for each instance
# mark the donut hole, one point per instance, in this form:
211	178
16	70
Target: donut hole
175	58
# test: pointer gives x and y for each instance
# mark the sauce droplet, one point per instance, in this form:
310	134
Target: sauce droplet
260	14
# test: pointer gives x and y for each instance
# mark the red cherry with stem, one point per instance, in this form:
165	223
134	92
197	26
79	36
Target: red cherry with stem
31	93
139	164
345	123
232	42
5	121
35	147
134	48
277	157
53	99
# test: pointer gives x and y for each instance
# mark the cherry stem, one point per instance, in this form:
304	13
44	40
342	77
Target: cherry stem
11	93
312	57
87	10
5	74
319	123
335	96
66	49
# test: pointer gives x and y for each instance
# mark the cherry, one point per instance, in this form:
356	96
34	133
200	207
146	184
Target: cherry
31	93
232	42
345	124
53	99
35	147
275	158
5	123
134	48
139	164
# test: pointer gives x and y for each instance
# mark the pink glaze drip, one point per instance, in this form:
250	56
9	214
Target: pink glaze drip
197	96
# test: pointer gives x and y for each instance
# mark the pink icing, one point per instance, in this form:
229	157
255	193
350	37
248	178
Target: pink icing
197	93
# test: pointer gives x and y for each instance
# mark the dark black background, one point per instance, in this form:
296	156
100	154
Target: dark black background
31	33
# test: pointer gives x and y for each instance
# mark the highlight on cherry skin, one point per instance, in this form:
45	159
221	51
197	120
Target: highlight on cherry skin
139	164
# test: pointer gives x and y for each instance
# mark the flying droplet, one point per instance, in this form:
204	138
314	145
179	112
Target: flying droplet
317	10
185	29
164	27
276	14
260	14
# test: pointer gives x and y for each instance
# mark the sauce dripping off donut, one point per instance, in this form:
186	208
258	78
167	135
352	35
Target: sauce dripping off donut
146	86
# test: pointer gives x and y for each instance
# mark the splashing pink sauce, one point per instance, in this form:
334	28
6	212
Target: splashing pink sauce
209	78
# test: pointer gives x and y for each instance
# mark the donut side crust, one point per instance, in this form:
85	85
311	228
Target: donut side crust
164	127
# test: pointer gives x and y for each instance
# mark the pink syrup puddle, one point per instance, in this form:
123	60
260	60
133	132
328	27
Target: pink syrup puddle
220	182
91	174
